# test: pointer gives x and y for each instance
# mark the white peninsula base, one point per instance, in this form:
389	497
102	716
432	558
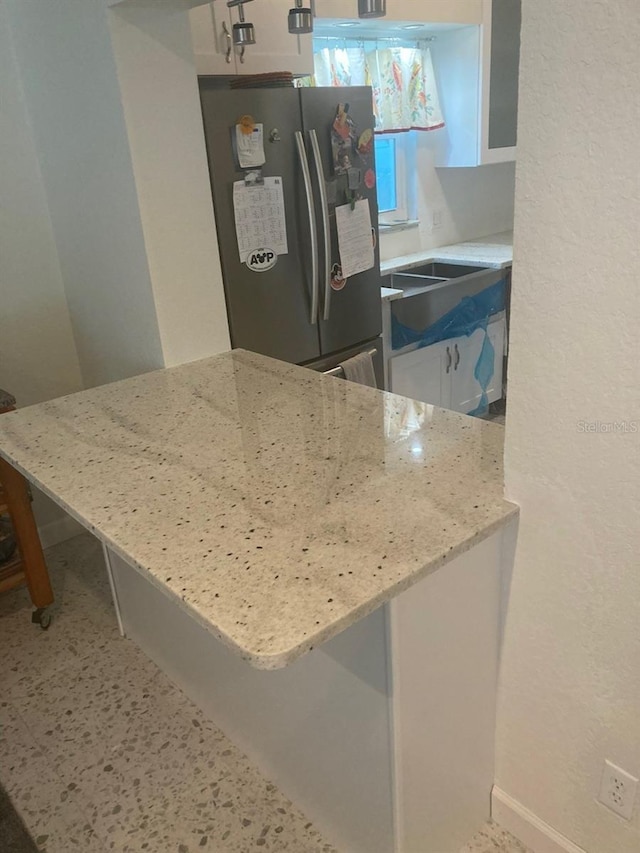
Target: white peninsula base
384	735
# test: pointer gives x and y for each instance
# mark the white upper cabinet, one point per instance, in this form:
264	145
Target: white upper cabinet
275	49
418	11
477	70
476	52
500	74
211	38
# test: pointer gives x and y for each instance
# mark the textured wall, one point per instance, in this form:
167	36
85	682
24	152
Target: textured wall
570	683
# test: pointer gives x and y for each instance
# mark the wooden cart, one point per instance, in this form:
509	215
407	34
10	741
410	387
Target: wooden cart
28	565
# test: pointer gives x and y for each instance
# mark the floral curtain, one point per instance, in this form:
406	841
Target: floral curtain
405	96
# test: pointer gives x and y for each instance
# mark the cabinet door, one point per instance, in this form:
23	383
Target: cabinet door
500	71
466	392
275	48
498	337
211	38
478	72
424	374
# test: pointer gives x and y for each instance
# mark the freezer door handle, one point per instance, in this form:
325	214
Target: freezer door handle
311	209
326	229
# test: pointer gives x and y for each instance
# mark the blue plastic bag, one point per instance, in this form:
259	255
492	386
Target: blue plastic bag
471	313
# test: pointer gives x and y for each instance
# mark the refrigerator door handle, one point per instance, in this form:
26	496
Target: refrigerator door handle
308	186
326	228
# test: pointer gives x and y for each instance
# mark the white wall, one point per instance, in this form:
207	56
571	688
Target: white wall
127	186
157	77
472	202
38	359
66	60
570	682
106	238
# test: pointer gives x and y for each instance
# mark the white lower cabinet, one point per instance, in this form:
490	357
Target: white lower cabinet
443	374
424	374
466	392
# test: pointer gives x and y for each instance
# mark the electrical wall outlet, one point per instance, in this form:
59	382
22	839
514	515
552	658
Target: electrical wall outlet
618	790
436	220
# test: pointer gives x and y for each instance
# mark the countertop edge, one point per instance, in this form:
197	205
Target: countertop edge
389	294
462	253
444	258
282	659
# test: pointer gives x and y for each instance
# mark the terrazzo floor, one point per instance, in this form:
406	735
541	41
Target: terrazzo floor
100	752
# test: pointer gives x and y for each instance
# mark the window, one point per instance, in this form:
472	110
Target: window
405	102
386	173
396	178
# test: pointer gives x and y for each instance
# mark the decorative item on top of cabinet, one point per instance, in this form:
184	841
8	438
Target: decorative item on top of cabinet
478	81
276	49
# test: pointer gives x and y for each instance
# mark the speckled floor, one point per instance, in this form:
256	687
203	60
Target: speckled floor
100	752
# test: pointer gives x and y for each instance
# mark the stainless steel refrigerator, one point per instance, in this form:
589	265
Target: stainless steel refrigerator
292	312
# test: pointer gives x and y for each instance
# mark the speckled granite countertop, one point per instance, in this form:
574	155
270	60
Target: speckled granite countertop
389	294
495	252
276	505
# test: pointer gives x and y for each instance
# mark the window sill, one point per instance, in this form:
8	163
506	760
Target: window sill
392	228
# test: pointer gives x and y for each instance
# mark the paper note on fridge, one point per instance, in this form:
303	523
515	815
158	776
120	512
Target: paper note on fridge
260	217
355	238
250	146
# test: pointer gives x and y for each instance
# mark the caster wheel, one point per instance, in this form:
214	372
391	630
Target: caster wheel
41	617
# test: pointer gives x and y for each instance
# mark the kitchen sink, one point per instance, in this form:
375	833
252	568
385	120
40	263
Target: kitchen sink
440	271
432	290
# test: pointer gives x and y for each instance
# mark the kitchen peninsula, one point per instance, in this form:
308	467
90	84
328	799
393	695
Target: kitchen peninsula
317	564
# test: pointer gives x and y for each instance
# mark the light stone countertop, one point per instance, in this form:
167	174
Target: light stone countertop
276	505
494	252
390	293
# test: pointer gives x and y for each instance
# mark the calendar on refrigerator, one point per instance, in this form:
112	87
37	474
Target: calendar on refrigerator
260	217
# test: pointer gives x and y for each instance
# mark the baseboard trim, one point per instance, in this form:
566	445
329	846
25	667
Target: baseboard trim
527	827
59	531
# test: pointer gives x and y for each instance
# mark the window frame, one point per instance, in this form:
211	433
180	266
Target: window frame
389	139
405	166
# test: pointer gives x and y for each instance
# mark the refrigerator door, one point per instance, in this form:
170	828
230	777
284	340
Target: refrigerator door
269	312
353	314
